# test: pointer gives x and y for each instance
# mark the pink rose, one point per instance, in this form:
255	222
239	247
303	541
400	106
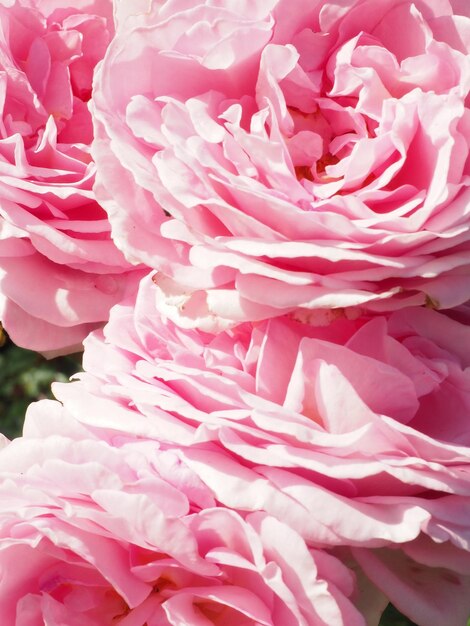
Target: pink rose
59	269
93	534
354	434
289	155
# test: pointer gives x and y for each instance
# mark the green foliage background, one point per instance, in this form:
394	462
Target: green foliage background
26	376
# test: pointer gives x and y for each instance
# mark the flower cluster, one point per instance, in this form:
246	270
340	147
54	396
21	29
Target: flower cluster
267	202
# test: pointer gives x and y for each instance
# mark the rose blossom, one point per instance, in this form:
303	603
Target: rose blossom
279	154
59	270
97	534
355	434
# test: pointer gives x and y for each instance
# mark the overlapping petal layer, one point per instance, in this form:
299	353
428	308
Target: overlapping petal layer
59	270
355	434
289	155
100	534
